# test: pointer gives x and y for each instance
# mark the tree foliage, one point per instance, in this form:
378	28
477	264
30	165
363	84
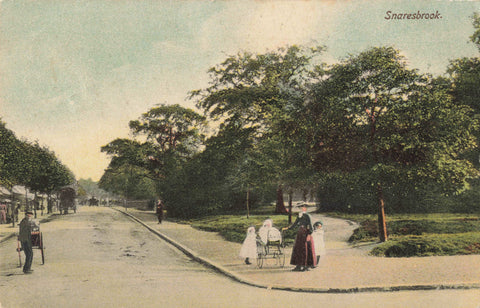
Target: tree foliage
166	136
254	92
373	115
31	165
362	131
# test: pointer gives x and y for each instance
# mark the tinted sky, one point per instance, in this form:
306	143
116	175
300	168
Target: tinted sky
73	73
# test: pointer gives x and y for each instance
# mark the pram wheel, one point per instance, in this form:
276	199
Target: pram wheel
280	258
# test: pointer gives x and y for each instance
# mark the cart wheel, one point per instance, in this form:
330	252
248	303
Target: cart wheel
42	248
260	260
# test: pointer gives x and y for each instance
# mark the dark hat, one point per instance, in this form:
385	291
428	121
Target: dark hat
29	213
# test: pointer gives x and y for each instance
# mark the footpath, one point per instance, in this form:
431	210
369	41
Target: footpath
344	269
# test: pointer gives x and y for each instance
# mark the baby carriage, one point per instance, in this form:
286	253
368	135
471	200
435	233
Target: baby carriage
273	248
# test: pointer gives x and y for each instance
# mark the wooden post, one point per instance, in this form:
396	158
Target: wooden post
382	225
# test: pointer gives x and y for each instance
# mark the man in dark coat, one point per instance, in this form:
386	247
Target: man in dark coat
303	253
25	238
160	207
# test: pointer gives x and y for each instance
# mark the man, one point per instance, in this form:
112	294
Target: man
25	238
3	213
160	211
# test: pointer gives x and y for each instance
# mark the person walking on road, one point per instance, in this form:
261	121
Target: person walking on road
25	238
159	212
303	253
3	213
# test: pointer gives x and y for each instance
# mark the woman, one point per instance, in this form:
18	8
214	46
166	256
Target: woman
303	253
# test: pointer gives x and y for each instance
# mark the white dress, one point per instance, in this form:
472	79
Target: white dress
249	246
319	242
263	231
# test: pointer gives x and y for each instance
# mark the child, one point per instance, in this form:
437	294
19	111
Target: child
318	236
249	246
263	231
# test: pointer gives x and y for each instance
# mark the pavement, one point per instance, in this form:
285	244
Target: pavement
344	269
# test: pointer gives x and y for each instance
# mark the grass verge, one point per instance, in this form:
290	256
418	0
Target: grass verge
421	234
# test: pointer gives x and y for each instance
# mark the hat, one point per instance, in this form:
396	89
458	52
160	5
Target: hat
28	213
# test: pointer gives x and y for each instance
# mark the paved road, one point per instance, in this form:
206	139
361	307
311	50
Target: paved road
100	258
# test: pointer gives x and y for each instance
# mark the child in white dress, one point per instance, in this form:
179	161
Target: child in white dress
249	246
318	236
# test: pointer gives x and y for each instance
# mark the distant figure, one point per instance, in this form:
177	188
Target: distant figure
303	253
318	236
249	246
16	211
3	213
25	238
159	212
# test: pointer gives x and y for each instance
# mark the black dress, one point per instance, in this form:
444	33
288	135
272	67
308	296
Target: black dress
303	253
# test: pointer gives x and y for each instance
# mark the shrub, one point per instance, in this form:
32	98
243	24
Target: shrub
402	225
429	245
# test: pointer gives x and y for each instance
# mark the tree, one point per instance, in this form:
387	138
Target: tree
251	91
10	159
166	136
47	173
370	115
465	74
475	38
30	164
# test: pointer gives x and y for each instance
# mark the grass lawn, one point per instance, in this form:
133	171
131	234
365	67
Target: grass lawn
234	227
420	234
409	234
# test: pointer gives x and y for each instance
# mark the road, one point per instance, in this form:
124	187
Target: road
100	258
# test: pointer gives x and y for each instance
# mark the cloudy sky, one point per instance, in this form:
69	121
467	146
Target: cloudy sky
73	73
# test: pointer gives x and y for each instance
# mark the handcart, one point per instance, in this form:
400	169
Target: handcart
37	242
272	249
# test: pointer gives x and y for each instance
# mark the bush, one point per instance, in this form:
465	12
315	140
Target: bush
367	231
402	225
430	245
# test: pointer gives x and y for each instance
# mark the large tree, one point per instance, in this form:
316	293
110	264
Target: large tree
373	116
252	91
29	164
166	136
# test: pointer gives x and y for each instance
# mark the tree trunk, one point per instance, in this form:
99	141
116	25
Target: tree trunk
248	202
382	225
290	208
280	207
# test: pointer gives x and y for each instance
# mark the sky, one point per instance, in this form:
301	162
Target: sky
74	73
